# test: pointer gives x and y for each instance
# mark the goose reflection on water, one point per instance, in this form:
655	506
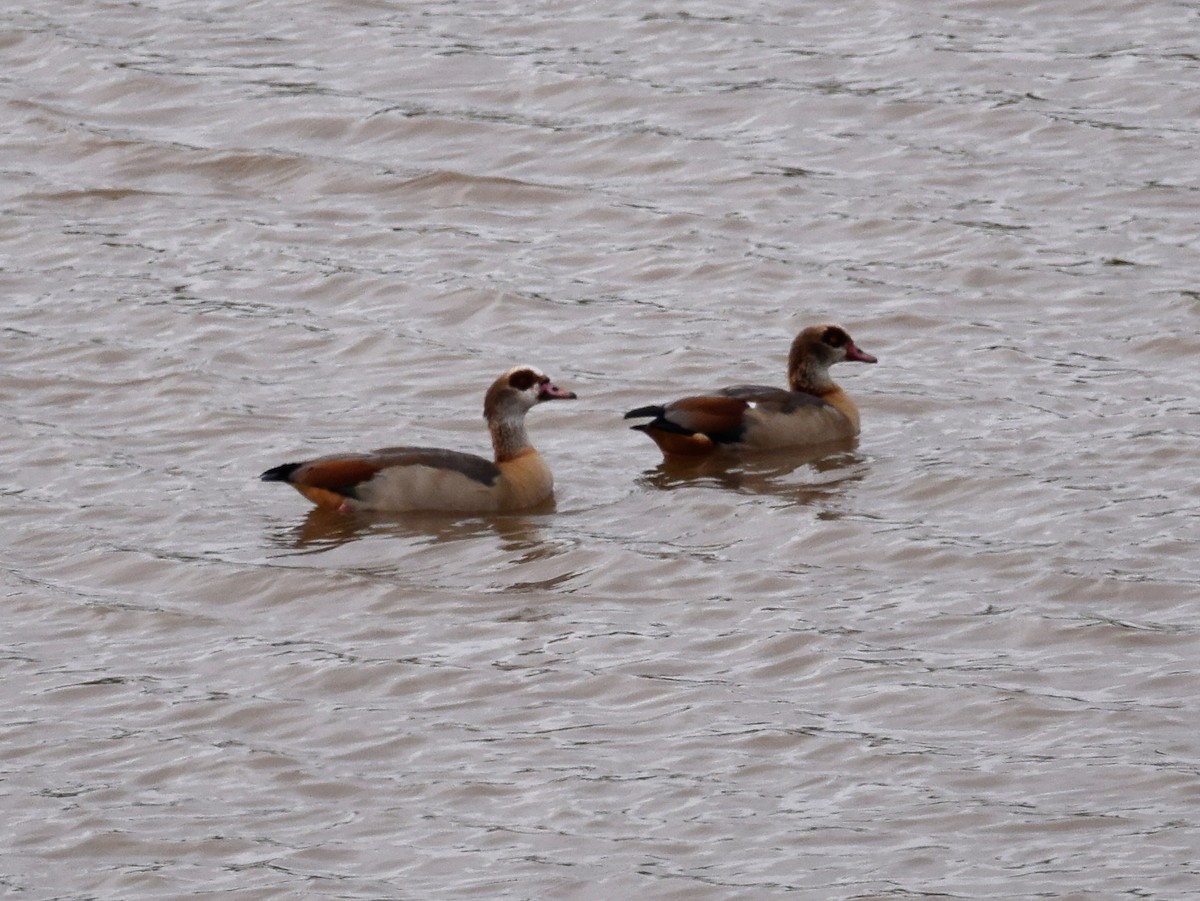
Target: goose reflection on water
324	528
419	554
793	475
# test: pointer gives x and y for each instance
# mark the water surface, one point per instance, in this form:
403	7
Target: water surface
956	658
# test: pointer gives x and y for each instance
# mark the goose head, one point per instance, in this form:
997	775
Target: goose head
518	391
816	349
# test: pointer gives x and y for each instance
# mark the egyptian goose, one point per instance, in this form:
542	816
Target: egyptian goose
424	478
813	409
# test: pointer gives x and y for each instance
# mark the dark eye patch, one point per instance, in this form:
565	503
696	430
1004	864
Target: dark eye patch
835	337
523	379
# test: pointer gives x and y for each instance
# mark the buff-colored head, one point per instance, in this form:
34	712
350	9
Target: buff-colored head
520	389
816	349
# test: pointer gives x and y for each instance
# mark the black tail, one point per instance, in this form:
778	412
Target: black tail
654	410
280	473
665	425
659	423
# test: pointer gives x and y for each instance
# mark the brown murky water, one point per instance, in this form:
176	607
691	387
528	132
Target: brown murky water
959	658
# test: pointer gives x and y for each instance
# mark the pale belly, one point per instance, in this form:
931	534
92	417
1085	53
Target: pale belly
810	426
418	487
523	482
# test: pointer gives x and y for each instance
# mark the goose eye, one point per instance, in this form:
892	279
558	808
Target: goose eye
523	379
835	337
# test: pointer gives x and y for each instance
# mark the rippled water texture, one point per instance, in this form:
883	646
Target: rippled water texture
958	658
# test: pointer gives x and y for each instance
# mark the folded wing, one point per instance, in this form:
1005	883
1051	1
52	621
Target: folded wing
399	478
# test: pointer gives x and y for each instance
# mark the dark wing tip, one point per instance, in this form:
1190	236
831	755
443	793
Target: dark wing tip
652	410
664	425
280	473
